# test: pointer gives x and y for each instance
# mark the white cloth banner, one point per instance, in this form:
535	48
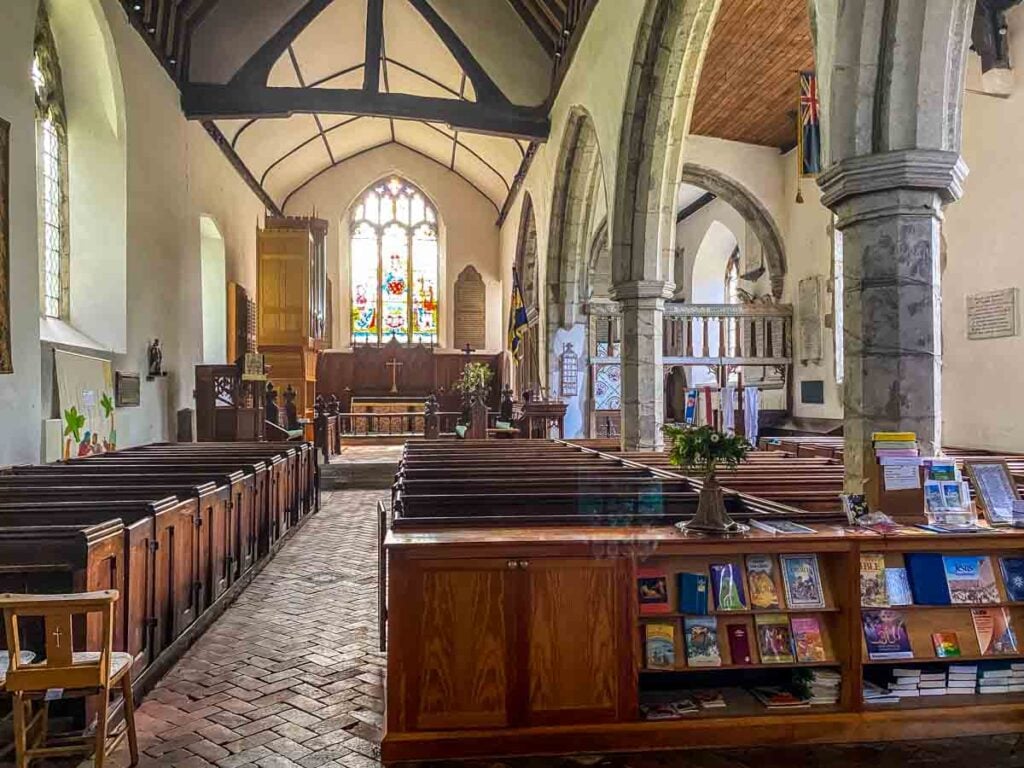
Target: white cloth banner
85	386
728	409
751	410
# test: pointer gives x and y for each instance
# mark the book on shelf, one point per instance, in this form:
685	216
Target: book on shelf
774	697
879	437
885	634
802	581
701	635
925	684
660	645
946	644
873	591
774	639
908	694
963	669
957	685
667	710
727	587
970	579
693	593
897	587
710	699
932	676
1013	577
996	674
781	527
993	689
876	694
824	686
906	672
761	579
933	691
652	591
927	575
807	640
739	643
994	631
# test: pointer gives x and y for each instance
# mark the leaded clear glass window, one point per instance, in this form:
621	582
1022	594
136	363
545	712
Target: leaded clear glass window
52	163
395	260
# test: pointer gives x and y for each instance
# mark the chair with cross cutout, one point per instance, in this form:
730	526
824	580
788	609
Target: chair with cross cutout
65	671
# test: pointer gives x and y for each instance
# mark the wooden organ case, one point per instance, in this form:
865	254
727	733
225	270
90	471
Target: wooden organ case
293	312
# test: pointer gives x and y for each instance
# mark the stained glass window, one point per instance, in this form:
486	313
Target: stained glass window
52	160
395	260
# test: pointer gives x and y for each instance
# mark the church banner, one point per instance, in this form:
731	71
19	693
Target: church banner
85	387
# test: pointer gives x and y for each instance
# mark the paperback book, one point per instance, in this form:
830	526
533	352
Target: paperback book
702	641
774	639
693	593
970	579
1013	577
946	644
886	636
652	591
761	578
897	587
873	591
660	642
739	643
727	584
802	581
926	573
995	634
807	640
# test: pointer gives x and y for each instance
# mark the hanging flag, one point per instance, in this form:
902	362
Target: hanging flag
517	319
690	408
809	138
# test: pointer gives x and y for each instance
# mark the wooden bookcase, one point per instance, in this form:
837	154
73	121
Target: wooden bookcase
515	641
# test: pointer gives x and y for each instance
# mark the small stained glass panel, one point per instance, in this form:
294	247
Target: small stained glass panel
607	387
424	278
395	283
365	325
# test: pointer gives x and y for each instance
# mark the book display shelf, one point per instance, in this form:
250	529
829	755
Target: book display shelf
516	641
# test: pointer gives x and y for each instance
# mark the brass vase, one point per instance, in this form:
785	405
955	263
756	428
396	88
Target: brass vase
712	517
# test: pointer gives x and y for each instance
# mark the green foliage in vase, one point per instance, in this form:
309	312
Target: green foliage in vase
703	450
475	381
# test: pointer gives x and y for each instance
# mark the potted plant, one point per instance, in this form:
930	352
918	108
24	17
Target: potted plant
701	451
473	385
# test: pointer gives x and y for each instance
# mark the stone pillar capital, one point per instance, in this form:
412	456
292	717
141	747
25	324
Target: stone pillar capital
905	182
634	291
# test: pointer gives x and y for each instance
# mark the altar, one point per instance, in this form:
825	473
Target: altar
392	423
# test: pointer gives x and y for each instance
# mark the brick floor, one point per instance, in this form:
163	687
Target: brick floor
290	676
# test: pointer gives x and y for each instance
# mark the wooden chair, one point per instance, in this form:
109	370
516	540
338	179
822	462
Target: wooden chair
81	673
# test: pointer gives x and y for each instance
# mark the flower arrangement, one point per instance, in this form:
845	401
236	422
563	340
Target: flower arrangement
702	450
473	385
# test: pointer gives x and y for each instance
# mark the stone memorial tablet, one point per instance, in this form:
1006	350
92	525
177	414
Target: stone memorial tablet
992	314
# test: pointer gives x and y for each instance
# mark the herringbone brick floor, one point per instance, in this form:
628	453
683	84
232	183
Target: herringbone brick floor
290	676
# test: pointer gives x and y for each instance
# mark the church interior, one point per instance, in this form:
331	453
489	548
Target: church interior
530	383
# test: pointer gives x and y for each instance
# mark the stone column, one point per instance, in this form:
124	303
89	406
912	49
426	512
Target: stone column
889	209
643	380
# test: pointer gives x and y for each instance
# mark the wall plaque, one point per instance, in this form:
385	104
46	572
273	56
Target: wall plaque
127	390
809	318
992	314
470	310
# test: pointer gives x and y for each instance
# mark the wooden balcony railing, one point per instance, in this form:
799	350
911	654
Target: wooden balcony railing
728	334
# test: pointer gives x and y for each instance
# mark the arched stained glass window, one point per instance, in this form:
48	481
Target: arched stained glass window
395	257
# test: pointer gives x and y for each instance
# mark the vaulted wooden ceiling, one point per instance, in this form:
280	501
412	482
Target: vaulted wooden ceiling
749	88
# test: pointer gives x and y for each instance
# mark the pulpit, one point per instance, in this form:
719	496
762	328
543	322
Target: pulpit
229	408
540	415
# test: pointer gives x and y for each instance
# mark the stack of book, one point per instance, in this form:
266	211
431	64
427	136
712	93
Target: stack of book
825	686
1000	680
876	694
961	679
902	444
905	683
709	699
932	684
774	697
667	710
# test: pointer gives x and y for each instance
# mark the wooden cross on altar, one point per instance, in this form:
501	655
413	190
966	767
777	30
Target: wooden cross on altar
468	349
394	365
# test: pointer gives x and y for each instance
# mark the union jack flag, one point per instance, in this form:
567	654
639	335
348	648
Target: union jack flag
810	125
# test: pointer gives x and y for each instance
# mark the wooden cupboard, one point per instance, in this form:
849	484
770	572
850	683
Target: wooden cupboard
510	642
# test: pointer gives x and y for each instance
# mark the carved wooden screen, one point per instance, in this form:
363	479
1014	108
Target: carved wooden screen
470	310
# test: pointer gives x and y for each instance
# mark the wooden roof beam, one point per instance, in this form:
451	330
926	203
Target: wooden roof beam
213	101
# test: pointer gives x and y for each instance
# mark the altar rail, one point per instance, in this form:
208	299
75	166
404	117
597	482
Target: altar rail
398	423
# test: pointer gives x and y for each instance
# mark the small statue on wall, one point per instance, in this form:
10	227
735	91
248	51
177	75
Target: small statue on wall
319	406
333	405
156	359
273	414
291	414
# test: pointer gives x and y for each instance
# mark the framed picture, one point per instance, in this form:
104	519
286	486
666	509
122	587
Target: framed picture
127	390
995	488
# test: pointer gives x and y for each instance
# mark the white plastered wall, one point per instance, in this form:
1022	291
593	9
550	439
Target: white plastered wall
468	231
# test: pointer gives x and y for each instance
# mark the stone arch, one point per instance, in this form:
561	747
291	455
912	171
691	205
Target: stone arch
596	279
753	212
527	263
710	264
576	185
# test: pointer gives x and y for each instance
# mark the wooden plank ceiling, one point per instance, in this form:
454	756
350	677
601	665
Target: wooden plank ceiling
749	88
545	18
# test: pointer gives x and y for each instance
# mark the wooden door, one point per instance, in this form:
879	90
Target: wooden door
460	639
576	640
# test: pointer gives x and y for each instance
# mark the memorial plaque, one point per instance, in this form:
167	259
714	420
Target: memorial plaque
127	390
809	318
470	310
992	314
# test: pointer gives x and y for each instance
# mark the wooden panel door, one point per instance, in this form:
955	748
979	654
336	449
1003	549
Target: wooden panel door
463	617
576	641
